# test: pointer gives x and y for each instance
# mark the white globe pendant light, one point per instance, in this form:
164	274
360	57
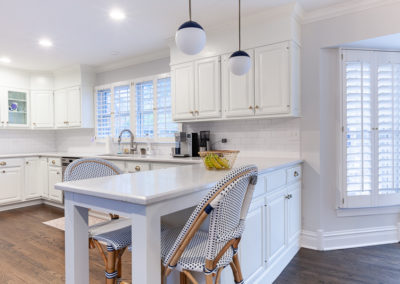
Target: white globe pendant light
190	36
239	61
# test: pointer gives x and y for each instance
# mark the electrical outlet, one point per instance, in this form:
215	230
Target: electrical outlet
224	140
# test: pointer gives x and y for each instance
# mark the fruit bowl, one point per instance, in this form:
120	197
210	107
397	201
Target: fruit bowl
219	160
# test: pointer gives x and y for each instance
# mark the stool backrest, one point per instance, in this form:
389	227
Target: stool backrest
90	168
226	204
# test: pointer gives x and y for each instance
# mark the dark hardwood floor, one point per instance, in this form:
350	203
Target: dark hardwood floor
31	252
374	264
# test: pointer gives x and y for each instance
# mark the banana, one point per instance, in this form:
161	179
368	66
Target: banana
222	161
215	163
207	162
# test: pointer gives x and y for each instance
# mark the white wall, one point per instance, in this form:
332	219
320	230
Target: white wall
254	137
27	141
135	71
319	125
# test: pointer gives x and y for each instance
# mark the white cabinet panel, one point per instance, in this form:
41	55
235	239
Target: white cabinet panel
60	108
42	109
207	88
182	84
253	241
294	209
237	91
33	178
11	181
159	166
54	176
74	107
272	79
276	225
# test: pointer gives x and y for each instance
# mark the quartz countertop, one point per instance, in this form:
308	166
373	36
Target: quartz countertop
154	186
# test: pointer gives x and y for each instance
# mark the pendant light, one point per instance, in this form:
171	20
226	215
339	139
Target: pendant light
239	61
190	37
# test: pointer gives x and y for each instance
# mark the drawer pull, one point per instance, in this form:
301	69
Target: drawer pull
58	173
288	196
137	168
250	107
4	172
3	163
296	174
27	162
53	162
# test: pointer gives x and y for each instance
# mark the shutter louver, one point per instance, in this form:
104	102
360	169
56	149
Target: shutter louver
122	103
103	113
165	126
144	109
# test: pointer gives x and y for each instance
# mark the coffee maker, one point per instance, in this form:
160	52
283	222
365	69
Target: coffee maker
186	144
205	141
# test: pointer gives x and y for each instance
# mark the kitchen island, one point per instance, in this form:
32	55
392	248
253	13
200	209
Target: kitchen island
145	197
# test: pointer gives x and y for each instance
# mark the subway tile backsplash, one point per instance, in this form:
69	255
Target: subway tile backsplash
27	141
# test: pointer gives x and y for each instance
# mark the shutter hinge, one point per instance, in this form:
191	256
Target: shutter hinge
342	128
343	200
341	55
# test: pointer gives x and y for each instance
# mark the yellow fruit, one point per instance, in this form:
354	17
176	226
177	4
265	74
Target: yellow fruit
222	161
215	163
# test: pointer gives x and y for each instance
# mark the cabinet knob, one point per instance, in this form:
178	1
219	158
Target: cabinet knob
53	162
296	174
192	112
137	168
196	111
4	172
250	107
58	173
3	163
27	162
257	107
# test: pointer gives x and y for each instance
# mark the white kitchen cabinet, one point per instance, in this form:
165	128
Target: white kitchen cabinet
196	90
68	107
133	167
159	166
54	176
33	178
15	108
276	79
11	180
276	224
42	109
293	209
252	244
237	91
207	88
182	86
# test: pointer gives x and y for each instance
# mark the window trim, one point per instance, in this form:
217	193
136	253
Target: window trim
132	83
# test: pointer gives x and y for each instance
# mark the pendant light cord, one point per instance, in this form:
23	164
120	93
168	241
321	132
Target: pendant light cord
239	27
190	10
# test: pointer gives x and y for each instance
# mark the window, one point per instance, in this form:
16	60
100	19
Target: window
371	128
146	110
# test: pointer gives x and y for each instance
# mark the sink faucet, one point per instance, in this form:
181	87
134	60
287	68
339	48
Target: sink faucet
133	146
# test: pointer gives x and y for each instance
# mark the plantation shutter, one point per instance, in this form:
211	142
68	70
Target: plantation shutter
103	113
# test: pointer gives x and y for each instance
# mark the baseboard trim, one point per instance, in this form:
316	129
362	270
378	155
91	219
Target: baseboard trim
21	204
321	240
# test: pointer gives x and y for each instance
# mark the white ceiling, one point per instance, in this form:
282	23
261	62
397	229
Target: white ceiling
83	33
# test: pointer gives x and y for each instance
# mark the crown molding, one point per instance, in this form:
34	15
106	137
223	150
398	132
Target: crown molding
163	53
344	8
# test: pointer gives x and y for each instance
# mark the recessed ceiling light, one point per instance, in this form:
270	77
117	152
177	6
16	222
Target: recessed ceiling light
5	60
117	14
45	42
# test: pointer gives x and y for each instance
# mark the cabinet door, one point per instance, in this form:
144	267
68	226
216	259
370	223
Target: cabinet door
33	178
54	175
74	107
42	109
11	184
44	176
237	91
252	245
294	211
18	108
272	79
182	86
133	167
207	88
276	225
60	108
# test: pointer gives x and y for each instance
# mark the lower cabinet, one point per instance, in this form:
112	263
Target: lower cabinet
54	176
11	180
33	178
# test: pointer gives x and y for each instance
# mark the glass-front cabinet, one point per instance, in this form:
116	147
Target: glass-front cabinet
15	108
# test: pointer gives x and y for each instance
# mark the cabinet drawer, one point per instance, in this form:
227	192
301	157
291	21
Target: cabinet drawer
293	174
6	163
133	167
54	162
275	180
260	186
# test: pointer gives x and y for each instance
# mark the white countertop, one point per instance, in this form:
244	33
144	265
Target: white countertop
157	185
122	157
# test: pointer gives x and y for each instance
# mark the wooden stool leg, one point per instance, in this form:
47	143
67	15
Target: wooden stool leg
110	267
235	272
183	278
209	279
237	265
119	264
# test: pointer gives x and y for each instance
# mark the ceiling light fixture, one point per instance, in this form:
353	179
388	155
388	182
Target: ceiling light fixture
45	42
239	61
117	14
5	60
190	36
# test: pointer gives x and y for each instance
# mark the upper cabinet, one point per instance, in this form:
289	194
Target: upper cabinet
205	89
42	109
67	107
196	90
14	104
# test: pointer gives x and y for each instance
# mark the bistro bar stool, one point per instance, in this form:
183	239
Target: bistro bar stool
190	249
115	233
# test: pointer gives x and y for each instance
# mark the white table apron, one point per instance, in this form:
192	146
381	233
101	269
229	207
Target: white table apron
146	230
